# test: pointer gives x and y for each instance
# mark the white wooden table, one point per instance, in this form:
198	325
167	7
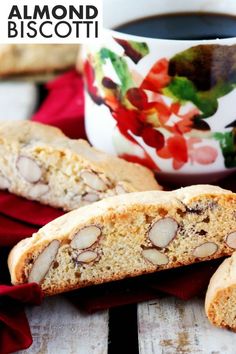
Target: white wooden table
164	326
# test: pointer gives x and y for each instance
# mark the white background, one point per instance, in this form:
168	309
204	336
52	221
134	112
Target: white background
5	8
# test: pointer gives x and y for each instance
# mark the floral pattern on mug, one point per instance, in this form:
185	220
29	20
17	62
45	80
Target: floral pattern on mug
167	109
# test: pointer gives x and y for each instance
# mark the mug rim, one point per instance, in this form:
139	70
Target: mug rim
127	14
115	33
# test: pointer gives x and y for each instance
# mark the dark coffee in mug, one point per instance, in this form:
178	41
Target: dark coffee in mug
183	26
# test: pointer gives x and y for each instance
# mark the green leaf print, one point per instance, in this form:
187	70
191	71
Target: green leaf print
228	147
183	90
121	68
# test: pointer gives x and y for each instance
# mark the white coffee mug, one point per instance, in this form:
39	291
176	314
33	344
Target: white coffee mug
145	100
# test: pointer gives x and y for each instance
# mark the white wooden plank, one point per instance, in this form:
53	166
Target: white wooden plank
60	328
17	100
171	326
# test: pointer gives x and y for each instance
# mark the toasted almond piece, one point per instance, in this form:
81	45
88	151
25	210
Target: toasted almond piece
87	257
155	257
77	198
86	237
90	197
29	169
43	262
4	182
120	189
231	240
206	249
93	180
38	190
162	232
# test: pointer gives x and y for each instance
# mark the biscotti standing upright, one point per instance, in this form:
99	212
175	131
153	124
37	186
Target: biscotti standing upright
127	235
220	302
40	163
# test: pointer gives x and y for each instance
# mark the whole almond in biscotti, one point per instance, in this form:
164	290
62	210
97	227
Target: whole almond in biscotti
129	235
29	169
206	249
86	237
155	257
87	257
43	262
231	240
40	163
162	232
93	181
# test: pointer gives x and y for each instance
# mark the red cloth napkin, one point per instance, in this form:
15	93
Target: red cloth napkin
12	231
19	218
64	106
27	212
14	328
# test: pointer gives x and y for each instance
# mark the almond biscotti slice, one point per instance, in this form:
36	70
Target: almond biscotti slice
18	59
127	235
40	163
220	303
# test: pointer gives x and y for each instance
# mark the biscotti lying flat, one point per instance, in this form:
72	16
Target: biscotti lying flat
127	235
40	163
16	59
220	303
